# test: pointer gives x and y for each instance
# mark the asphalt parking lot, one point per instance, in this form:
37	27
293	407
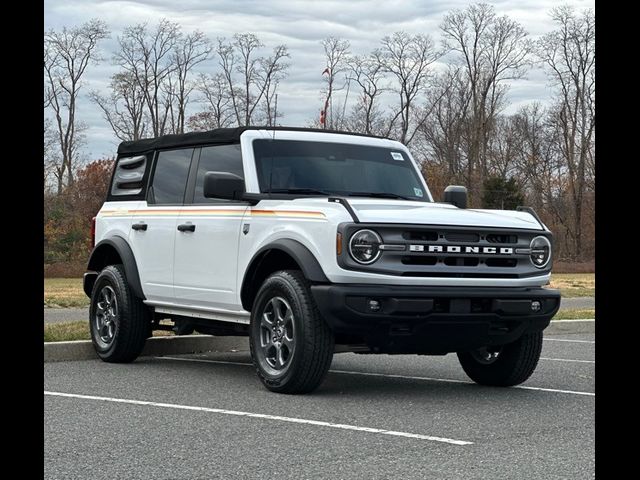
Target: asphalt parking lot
373	417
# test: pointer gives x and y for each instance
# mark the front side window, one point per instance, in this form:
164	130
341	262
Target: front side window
170	176
219	158
299	167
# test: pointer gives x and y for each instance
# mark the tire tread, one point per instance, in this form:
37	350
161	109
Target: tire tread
134	323
515	365
317	349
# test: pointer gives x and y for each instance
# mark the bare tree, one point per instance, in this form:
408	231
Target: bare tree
408	58
189	51
53	166
569	56
219	111
148	58
124	108
336	52
67	54
369	74
249	77
272	71
492	50
445	134
270	107
503	148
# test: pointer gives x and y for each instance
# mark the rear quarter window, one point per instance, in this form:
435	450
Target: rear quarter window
170	175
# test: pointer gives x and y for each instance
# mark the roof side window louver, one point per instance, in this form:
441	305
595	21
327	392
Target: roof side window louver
127	179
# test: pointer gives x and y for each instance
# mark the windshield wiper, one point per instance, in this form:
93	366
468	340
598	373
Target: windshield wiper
378	195
303	191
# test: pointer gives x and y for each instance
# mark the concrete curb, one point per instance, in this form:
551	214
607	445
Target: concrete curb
159	346
155	346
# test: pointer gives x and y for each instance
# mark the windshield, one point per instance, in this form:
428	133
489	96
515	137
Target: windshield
321	168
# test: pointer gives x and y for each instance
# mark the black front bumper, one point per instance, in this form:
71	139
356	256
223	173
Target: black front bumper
433	320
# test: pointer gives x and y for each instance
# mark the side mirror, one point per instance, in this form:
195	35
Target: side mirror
223	185
456	195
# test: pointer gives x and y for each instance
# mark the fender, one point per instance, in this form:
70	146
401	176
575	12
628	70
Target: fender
309	265
99	259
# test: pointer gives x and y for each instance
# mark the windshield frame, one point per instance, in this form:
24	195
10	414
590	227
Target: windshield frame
353	140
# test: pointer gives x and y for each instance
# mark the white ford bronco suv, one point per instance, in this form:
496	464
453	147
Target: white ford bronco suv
310	242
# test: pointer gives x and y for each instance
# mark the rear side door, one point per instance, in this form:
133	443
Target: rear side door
154	223
206	250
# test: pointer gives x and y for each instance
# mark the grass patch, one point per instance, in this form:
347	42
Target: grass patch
64	293
575	314
68	331
574	284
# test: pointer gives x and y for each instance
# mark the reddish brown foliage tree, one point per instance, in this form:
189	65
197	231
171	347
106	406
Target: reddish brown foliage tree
67	217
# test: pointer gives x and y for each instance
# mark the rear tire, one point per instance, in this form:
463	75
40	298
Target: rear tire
118	320
513	364
291	345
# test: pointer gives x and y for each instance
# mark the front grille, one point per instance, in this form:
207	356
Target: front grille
457	252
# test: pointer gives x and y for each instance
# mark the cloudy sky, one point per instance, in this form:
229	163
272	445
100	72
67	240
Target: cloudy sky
300	24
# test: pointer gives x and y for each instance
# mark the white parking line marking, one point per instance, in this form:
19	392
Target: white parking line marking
387	375
567	360
567	340
263	416
574	320
554	390
450	380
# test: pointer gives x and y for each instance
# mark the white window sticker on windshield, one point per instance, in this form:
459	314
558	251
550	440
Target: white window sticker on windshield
417	191
397	156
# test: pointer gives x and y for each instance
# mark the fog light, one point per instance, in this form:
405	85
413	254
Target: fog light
374	305
535	306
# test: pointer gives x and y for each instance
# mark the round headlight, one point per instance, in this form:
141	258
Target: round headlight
540	251
364	246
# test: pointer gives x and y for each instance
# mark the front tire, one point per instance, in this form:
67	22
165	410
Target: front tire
291	345
503	366
118	320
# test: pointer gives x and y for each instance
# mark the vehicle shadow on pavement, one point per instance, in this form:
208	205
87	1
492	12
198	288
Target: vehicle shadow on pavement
337	384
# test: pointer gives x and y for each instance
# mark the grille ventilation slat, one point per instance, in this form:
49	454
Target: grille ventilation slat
461	261
498	238
421	236
462	237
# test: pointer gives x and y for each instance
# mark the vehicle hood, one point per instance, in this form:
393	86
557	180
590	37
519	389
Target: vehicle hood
398	211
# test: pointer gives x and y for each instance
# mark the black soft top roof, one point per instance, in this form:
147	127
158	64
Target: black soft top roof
217	136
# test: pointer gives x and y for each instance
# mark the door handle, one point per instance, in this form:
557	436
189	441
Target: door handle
139	226
187	227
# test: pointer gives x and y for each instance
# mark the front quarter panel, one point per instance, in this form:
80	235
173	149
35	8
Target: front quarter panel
312	222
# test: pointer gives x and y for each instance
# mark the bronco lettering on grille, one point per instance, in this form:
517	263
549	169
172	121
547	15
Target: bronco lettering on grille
461	249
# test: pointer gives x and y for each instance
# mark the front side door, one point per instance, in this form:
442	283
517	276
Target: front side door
154	224
206	248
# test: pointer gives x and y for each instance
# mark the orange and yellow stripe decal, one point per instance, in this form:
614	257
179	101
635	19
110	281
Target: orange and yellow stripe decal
286	213
216	212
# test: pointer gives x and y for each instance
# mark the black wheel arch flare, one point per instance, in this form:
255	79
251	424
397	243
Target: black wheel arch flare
307	262
103	255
